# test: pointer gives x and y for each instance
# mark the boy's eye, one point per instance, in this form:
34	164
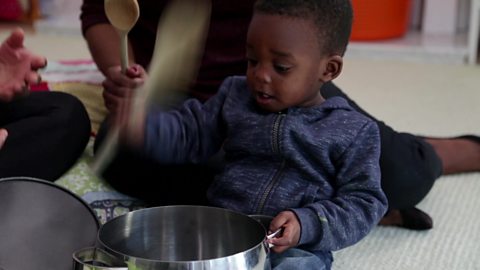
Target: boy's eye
282	68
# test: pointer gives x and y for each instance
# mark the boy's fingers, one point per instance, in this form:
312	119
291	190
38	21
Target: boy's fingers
278	246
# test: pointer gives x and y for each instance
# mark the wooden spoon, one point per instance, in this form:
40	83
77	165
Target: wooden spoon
175	60
122	14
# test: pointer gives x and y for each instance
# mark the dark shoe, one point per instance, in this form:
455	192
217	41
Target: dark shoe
411	218
415	219
472	138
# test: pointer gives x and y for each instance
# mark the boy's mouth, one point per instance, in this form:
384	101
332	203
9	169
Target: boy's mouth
263	97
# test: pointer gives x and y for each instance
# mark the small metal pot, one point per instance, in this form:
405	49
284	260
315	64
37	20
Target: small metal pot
179	237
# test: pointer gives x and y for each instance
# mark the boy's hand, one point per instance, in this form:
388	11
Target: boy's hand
291	231
118	86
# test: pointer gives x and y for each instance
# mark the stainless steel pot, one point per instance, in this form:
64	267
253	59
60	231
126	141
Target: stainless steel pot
179	237
264	220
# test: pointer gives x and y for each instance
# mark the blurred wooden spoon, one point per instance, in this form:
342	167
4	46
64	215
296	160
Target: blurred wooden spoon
176	57
123	15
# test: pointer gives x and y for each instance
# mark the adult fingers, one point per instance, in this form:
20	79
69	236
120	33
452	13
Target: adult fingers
115	76
136	71
14	90
111	102
33	78
38	62
116	90
3	137
15	40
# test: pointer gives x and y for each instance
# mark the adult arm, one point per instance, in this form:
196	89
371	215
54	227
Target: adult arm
101	37
18	69
104	45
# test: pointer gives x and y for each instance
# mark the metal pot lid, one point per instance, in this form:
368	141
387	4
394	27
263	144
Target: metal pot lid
42	224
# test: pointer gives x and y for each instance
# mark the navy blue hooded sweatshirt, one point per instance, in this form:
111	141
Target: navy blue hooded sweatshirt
321	162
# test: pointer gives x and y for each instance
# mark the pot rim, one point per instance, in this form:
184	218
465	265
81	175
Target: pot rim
127	257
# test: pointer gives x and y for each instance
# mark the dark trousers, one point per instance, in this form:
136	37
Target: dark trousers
409	167
47	133
154	183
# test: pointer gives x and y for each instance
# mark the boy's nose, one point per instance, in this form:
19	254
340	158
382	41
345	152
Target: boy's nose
263	75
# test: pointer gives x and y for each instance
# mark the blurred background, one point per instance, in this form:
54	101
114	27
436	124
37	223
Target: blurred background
431	31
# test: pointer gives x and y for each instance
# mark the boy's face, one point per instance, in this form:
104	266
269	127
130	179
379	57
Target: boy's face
285	64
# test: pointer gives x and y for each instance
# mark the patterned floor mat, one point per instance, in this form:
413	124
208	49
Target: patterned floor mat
104	200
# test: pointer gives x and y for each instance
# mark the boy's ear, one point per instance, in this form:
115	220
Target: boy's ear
333	68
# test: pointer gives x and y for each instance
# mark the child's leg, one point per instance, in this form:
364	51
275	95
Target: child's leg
295	258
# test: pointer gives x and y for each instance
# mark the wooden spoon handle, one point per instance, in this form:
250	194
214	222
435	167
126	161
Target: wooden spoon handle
123	50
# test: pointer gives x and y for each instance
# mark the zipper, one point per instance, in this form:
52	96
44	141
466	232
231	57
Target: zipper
276	149
276	133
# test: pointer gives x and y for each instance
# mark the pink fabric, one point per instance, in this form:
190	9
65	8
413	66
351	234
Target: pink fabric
43	86
10	10
68	71
72	71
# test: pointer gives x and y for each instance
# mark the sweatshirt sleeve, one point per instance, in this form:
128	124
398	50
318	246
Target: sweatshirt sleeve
192	133
358	204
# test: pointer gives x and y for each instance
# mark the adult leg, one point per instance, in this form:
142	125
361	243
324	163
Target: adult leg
409	166
459	154
137	176
47	133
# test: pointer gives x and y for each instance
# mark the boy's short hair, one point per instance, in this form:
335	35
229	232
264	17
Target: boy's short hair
333	19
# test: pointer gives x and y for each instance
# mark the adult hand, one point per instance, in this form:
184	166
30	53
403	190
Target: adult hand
291	231
3	137
119	87
18	67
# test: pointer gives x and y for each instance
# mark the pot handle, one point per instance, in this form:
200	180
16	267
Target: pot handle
265	221
272	235
93	258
